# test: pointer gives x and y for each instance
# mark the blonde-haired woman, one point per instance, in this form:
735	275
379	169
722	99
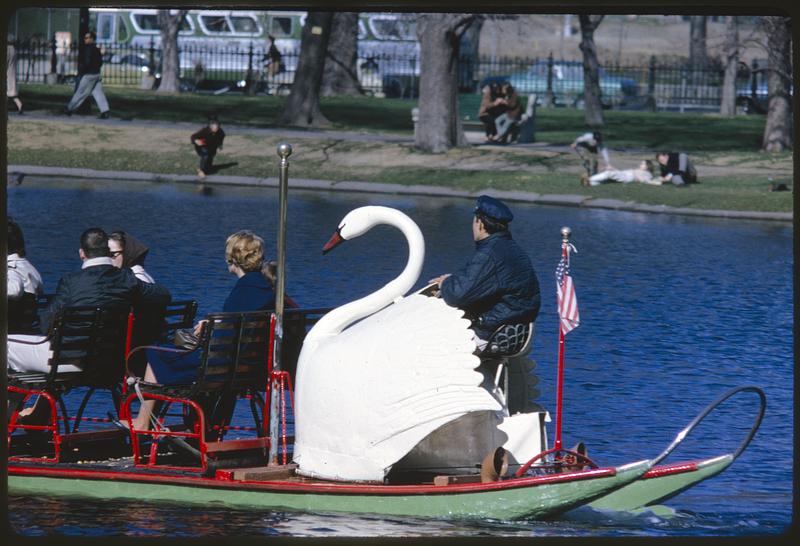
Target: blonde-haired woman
244	253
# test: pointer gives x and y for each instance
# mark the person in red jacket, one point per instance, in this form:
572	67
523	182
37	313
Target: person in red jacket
206	143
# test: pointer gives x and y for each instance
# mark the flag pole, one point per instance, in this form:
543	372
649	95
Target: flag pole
284	151
565	234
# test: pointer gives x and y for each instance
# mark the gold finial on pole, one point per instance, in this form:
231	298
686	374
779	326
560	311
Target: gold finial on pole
284	151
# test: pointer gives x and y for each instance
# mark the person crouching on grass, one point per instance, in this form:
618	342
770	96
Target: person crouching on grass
206	143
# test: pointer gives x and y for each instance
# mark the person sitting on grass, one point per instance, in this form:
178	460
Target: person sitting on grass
676	168
643	173
206	143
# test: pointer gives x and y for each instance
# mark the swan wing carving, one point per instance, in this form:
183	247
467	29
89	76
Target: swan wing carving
368	392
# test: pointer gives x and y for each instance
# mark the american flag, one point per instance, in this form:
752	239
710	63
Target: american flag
567	302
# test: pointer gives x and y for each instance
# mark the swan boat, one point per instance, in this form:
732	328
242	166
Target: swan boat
392	418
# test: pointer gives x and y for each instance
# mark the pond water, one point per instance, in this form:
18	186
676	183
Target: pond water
674	311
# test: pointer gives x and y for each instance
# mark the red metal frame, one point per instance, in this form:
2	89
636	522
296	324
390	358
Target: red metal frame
268	388
128	340
52	427
199	433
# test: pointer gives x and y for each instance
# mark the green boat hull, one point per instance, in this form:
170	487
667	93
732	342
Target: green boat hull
652	490
500	500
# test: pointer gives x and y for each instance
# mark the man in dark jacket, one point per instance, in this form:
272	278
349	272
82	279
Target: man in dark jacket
98	283
498	285
206	143
676	168
89	62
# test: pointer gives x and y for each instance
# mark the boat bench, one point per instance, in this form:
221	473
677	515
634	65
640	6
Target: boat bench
90	338
234	361
95	339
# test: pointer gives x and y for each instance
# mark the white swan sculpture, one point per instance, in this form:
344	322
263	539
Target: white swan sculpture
377	375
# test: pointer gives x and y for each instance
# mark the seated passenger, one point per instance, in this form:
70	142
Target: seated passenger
498	284
128	251
244	253
24	285
98	283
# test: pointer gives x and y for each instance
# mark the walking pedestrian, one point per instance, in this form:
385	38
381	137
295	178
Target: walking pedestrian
89	62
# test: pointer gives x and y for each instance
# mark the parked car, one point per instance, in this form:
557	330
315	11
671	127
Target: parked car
135	61
753	103
568	84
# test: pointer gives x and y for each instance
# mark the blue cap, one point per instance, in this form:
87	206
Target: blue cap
493	209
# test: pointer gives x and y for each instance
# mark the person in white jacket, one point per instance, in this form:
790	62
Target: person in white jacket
22	276
24	281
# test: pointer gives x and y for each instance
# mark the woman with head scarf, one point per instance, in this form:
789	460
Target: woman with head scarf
128	251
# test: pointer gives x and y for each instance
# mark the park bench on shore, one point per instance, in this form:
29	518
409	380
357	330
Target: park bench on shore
234	361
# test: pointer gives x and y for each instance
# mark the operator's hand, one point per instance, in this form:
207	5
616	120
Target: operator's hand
439	280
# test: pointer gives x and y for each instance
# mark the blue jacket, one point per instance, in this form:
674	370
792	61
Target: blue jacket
252	292
497	286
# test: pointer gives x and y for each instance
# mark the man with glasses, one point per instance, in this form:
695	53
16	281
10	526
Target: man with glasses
89	62
97	283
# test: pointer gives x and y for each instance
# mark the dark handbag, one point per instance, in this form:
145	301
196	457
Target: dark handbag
185	338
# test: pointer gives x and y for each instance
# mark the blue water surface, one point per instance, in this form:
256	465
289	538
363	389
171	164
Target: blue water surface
674	311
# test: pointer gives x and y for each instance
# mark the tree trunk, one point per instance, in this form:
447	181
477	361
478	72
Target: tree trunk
341	73
731	57
698	57
591	71
439	126
169	23
778	130
302	106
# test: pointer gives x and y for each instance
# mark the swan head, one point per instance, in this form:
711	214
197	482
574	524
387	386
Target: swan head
355	224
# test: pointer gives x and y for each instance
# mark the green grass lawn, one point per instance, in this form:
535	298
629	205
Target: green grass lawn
640	130
729	145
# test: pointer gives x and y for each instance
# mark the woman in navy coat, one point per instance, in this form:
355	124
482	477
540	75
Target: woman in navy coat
244	252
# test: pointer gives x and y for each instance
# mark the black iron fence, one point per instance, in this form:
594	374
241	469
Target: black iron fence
654	85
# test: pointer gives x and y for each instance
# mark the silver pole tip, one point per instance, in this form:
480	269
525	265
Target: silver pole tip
565	232
284	150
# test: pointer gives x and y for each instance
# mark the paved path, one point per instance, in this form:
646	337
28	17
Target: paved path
17	173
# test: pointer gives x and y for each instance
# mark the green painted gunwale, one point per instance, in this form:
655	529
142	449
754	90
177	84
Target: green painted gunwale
646	491
507	500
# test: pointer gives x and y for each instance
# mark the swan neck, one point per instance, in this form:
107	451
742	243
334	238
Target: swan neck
342	317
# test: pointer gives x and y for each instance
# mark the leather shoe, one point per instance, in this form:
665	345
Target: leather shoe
103	115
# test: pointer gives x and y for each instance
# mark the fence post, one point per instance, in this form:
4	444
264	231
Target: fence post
51	77
651	83
251	89
152	57
549	99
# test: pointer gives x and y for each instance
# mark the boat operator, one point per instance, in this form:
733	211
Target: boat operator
498	285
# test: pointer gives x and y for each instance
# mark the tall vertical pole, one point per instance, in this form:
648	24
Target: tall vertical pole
565	234
284	151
